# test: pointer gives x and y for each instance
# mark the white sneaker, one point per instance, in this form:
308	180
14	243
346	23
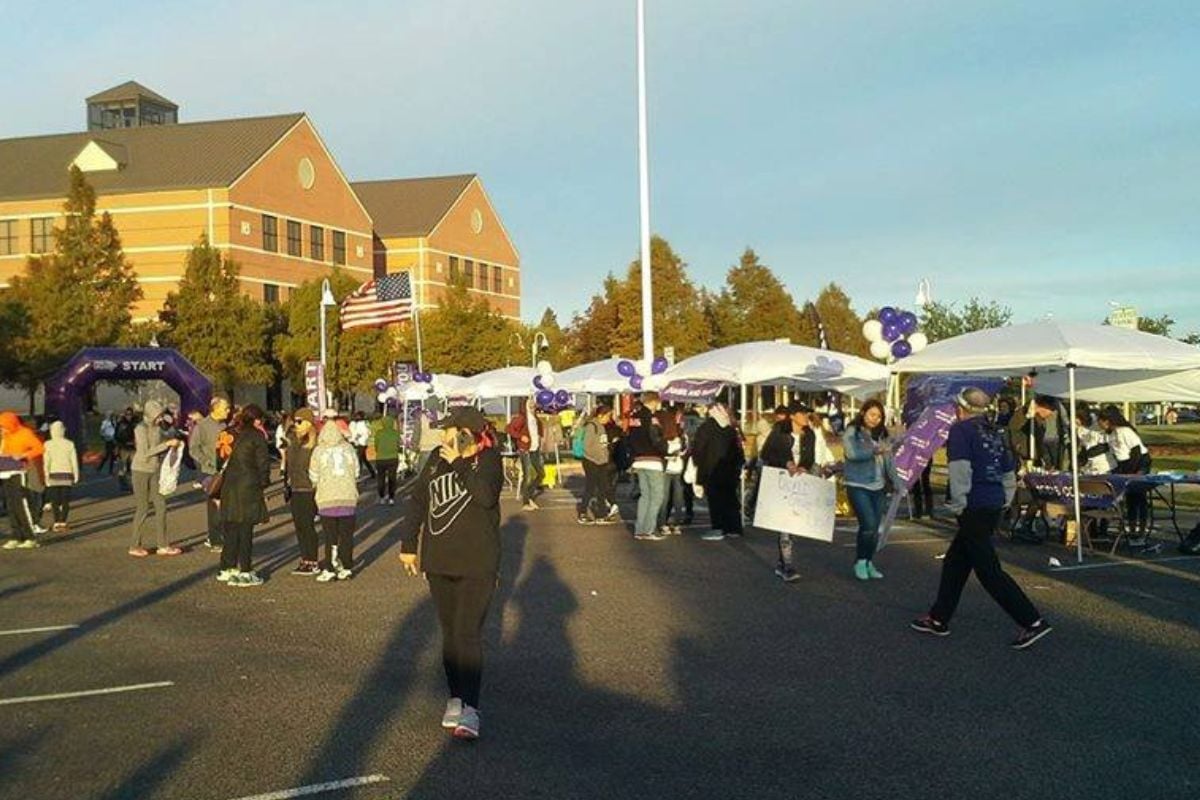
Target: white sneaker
11	544
713	536
39	530
326	576
454	710
344	574
391	501
225	575
468	724
29	544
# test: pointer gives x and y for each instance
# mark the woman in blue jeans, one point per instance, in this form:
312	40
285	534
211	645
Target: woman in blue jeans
868	455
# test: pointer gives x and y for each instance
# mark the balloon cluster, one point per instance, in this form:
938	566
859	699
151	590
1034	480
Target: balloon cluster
636	371
894	334
544	395
389	394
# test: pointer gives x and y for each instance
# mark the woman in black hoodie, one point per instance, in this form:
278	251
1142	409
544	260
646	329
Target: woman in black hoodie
454	526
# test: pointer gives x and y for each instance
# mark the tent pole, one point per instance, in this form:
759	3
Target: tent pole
1075	469
742	475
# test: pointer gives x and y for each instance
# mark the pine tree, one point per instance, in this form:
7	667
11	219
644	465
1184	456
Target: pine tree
220	330
465	336
76	296
843	327
586	339
679	319
754	306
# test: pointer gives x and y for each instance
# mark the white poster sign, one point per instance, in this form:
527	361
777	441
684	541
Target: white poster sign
803	505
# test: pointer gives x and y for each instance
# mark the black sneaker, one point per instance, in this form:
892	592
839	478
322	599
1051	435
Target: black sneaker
307	568
787	574
928	624
1031	634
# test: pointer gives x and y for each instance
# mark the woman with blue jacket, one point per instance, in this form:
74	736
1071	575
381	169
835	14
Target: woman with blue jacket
868	458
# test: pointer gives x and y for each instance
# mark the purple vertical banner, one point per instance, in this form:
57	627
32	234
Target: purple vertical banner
410	422
314	386
403	372
921	441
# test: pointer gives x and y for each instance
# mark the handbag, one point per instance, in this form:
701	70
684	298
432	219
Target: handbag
213	487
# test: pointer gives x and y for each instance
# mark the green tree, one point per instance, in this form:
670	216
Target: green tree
586	339
14	322
219	329
76	296
465	336
1159	326
944	321
1192	338
843	326
355	357
754	306
679	318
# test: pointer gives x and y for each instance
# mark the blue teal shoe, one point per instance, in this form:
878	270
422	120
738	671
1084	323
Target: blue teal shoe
861	570
874	573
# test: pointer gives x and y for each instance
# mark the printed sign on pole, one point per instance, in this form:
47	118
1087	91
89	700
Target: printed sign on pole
314	386
802	505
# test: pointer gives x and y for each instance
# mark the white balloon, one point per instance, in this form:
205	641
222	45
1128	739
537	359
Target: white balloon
392	393
919	341
643	367
548	381
544	368
881	349
872	329
382	398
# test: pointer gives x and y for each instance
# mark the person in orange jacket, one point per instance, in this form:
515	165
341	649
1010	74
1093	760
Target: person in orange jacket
20	449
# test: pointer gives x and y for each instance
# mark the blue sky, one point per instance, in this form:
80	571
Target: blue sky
1042	154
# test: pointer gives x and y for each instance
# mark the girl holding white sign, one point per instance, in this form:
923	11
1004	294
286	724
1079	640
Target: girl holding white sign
868	457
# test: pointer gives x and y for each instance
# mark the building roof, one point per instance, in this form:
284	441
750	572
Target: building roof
193	155
130	90
410	206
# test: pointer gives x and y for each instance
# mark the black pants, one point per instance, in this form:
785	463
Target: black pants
339	533
16	500
921	494
385	474
462	605
238	549
304	512
593	481
1137	510
110	457
689	501
363	463
59	498
608	486
972	550
215	527
723	504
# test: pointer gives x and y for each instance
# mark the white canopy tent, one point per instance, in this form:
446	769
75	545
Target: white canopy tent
443	386
503	382
1135	386
598	377
806	369
1076	351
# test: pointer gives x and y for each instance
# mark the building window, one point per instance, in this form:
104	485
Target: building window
41	231
483	277
497	279
316	243
270	228
293	238
453	267
8	237
339	247
270	294
469	273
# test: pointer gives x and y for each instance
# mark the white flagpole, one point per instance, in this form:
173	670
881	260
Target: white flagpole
417	328
644	188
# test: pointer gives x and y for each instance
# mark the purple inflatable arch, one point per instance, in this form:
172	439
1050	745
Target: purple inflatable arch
65	391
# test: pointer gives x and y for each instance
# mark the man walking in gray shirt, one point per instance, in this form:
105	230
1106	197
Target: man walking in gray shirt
203	447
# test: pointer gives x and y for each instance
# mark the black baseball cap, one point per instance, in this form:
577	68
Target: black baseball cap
799	407
466	417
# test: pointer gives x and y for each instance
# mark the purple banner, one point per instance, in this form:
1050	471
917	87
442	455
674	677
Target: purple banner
685	391
314	386
923	391
922	440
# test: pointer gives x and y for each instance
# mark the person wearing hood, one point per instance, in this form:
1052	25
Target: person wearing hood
453	526
243	504
203	447
718	456
333	471
61	466
385	442
20	449
148	450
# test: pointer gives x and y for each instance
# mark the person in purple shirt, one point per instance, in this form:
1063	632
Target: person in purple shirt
982	484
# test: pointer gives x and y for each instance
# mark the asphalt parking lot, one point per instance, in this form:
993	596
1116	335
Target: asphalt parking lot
615	669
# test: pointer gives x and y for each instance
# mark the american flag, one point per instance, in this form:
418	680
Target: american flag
378	302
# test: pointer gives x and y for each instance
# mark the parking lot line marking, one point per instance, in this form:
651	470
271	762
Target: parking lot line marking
8	701
38	630
318	788
1129	563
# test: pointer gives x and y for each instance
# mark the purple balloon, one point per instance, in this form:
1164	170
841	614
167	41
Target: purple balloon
537	382
892	332
562	397
908	322
544	397
901	349
381	385
626	369
888	315
635	383
658	366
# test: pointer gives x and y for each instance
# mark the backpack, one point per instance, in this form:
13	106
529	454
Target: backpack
621	455
577	440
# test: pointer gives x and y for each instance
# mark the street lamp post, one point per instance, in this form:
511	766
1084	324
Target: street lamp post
535	348
326	300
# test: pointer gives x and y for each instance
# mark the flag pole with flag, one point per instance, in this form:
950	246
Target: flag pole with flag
382	301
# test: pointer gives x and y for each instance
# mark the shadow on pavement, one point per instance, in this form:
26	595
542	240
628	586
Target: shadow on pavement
149	776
